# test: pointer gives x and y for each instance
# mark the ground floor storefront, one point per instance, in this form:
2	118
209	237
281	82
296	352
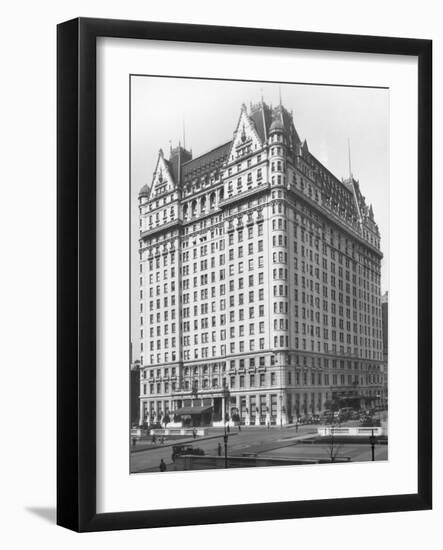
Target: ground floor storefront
251	408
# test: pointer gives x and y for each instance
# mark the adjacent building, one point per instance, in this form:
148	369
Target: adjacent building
259	282
385	325
134	389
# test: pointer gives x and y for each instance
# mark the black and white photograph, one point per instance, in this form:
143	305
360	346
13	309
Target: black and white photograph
259	254
220	291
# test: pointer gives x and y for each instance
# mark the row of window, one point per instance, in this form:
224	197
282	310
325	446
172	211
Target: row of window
233	269
261	380
299	362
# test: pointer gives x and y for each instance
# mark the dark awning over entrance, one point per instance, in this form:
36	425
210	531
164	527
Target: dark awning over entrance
191	410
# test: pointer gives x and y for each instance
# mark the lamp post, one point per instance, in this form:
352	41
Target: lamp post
372	440
225	436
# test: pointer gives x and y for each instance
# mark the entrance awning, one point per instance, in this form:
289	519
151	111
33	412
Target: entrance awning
191	410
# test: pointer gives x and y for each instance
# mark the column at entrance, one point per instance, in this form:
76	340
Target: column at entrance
247	412
257	410
282	417
141	419
268	410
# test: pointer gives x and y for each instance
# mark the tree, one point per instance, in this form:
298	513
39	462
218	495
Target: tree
333	447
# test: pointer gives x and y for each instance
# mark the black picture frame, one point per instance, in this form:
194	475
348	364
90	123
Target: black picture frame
76	266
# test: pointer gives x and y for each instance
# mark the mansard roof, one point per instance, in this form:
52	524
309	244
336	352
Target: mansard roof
266	117
342	196
285	117
210	160
261	115
177	157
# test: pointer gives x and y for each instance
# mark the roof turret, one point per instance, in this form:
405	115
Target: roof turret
277	125
144	191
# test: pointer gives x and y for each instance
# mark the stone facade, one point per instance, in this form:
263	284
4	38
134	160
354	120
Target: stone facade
259	281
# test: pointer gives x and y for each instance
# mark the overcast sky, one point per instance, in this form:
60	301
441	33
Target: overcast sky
205	114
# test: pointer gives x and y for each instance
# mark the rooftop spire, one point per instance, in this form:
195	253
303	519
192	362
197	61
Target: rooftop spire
349	158
184	134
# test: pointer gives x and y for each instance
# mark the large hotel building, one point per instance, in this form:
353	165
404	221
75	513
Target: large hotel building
259	282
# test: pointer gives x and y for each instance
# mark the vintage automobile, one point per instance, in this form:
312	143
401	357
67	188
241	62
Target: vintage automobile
369	421
345	413
178	450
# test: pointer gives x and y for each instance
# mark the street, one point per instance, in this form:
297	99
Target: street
276	442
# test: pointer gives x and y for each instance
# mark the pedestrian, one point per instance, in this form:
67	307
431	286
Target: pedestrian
194	433
162	440
162	465
219	448
134	441
239	428
296	426
154	439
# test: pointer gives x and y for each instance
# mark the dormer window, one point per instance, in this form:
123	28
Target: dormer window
243	134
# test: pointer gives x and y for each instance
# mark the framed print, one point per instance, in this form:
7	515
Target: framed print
244	274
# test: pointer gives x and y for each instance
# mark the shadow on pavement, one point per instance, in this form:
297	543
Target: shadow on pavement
46	513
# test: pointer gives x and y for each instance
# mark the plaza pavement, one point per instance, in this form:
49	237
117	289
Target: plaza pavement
275	442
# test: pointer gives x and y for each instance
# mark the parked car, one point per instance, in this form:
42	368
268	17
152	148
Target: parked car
369	421
327	417
345	413
178	450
